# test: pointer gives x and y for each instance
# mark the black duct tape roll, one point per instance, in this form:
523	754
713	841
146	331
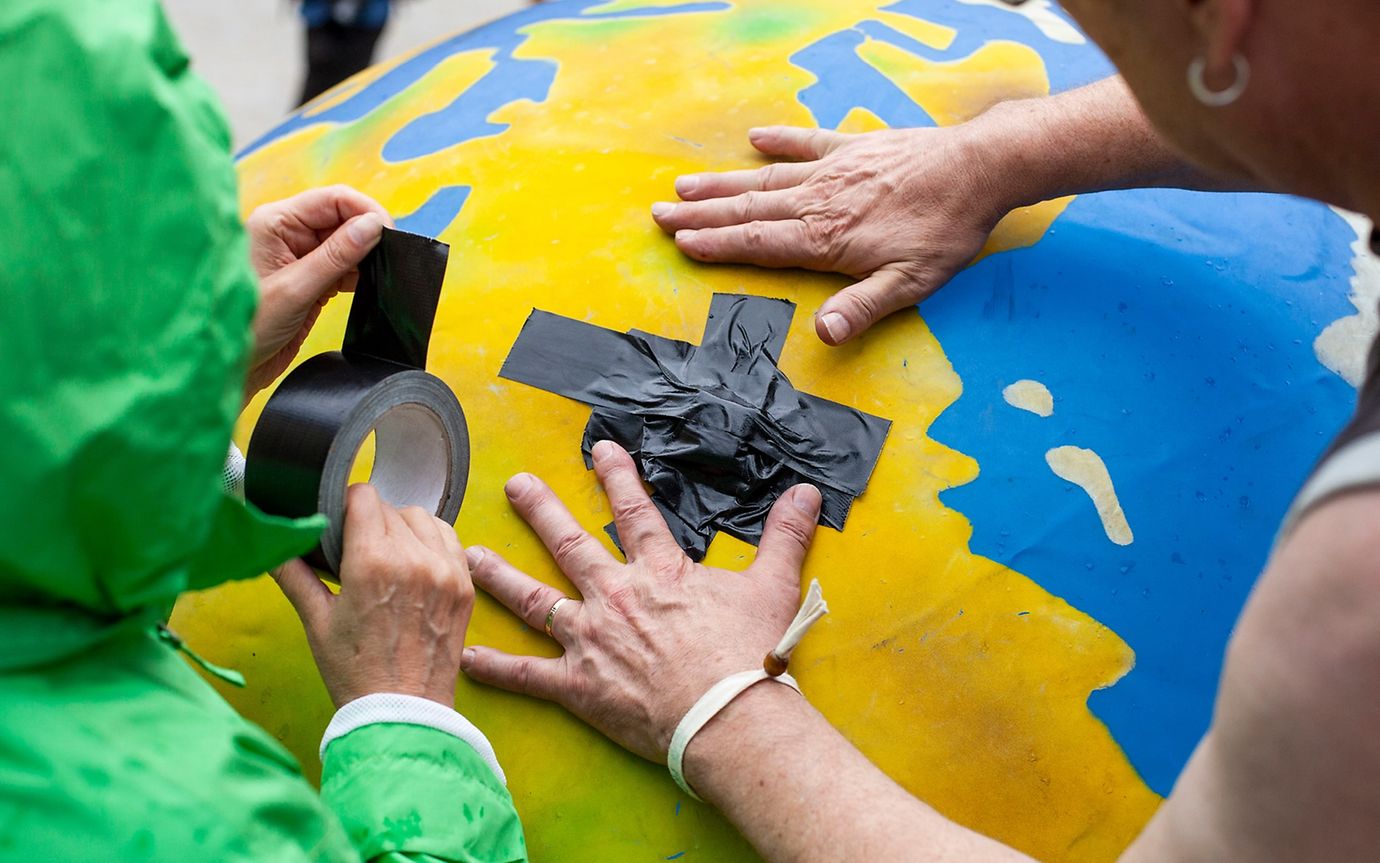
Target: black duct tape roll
306	440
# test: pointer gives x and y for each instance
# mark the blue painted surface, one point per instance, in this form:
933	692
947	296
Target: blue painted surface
1175	331
846	82
434	216
466	118
1176	334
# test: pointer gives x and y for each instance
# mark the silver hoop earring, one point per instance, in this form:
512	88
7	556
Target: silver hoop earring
1218	98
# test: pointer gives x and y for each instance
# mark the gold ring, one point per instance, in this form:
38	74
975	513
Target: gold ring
551	615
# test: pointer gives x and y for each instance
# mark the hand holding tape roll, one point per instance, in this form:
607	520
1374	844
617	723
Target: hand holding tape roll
305	442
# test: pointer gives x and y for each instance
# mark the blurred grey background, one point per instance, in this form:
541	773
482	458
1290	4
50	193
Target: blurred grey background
252	50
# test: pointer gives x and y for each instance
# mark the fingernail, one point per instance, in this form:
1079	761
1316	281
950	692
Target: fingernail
518	485
602	450
473	555
467	657
684	236
836	325
365	229
807	500
687	184
661	208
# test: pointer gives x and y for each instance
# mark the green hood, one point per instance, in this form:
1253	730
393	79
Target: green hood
125	302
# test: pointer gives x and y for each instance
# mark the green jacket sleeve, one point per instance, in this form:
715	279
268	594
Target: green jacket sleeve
411	793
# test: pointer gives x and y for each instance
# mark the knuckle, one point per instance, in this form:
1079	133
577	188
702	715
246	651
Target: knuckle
749	203
522	674
335	253
824	233
864	305
756	234
277	221
632	510
258	217
440	573
567	547
413	567
444	583
835	180
464	589
797	530
769	176
534	603
623	600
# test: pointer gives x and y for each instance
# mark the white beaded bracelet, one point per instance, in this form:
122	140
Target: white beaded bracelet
722	693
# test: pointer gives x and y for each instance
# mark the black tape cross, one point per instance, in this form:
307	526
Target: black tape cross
717	430
305	442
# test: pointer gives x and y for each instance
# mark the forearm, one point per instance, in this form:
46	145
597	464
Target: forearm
800	792
1092	139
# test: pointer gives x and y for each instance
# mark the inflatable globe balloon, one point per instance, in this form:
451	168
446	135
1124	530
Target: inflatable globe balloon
1096	428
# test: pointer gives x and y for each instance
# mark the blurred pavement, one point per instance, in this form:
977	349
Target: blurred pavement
251	50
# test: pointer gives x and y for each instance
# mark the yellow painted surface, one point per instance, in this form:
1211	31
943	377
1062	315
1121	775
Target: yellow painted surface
927	32
1086	469
963	679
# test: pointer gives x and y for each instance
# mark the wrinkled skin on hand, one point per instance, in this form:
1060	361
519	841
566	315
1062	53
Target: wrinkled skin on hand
901	210
398	624
650	636
305	249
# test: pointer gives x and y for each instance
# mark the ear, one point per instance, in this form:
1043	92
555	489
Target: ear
1223	27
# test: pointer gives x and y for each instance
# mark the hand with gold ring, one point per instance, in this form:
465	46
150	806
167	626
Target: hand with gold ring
551	615
649	636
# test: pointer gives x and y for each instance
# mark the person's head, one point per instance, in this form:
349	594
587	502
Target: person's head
1282	86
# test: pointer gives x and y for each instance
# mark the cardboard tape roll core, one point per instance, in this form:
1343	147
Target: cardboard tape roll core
311	429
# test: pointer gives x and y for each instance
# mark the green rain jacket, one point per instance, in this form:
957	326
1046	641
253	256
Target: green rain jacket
125	302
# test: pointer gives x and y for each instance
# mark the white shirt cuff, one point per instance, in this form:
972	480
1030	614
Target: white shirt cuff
232	475
390	707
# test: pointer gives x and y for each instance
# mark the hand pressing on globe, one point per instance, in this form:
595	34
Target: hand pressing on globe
305	250
900	210
648	637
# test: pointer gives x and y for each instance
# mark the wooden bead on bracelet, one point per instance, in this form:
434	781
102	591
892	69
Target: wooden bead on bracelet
775	665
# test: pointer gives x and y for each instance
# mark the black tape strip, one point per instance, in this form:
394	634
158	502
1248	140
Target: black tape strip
305	442
396	298
717	429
